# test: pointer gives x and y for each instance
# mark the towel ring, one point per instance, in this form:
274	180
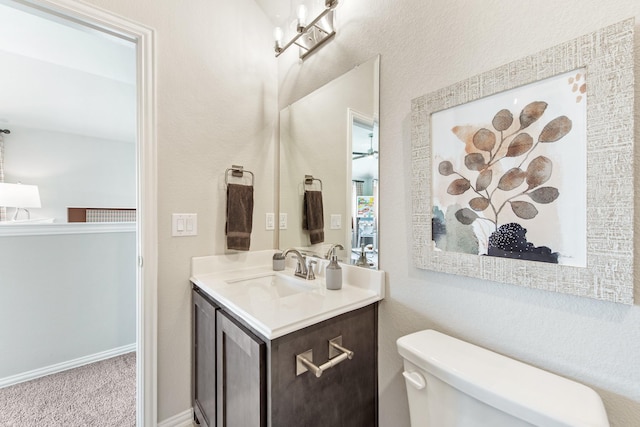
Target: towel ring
308	180
237	172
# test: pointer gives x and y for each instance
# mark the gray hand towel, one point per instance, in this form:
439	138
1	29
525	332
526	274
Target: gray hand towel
313	216
239	216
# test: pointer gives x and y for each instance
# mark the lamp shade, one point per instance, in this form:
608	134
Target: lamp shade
19	195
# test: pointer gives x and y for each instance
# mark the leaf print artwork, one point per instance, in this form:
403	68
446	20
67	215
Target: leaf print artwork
513	180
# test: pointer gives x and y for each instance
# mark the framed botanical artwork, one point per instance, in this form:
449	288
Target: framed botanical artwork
524	174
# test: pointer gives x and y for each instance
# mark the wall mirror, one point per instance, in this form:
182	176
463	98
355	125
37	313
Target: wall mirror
331	135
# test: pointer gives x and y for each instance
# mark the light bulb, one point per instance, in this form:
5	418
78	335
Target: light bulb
302	17
302	14
277	35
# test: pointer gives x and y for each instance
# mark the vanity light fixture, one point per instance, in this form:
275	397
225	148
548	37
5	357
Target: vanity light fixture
310	36
19	196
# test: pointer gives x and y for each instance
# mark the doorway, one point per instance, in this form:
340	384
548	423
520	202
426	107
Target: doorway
364	199
91	20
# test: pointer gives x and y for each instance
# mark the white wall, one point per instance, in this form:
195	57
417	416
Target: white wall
71	170
425	46
216	86
64	297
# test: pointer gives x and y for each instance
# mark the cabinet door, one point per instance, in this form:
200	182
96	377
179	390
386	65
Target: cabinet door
241	376
204	360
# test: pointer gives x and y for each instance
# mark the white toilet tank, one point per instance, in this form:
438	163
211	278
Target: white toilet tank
453	383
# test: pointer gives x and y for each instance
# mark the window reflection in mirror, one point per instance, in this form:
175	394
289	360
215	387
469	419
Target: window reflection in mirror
332	135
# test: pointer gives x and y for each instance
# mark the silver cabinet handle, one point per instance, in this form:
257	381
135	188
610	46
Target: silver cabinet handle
337	354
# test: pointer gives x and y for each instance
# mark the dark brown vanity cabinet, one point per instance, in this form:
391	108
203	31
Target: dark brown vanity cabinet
254	379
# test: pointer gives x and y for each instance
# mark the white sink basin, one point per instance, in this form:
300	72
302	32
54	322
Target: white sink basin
275	284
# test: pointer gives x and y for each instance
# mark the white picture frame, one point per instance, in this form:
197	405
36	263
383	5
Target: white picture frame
605	270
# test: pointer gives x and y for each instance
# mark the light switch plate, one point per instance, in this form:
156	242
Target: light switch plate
270	220
336	221
184	224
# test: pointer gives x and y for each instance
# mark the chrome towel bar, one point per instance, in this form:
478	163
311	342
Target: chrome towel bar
337	354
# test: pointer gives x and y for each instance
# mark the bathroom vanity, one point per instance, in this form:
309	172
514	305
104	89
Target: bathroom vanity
251	326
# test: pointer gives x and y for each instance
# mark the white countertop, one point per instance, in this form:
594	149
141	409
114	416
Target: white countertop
274	316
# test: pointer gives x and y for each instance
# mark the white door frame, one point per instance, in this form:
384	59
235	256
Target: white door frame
146	228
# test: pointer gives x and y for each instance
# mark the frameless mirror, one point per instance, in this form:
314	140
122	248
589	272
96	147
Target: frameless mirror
329	143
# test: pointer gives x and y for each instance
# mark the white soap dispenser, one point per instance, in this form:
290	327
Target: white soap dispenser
333	273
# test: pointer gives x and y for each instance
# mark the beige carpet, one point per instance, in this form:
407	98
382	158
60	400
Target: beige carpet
99	394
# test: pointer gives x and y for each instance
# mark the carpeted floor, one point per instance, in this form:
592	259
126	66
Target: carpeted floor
98	394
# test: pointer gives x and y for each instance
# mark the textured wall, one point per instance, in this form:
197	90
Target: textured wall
424	46
216	86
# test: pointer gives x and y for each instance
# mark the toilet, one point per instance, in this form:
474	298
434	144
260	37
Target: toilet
453	383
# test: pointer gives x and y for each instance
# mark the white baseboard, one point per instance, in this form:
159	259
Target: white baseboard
183	419
59	367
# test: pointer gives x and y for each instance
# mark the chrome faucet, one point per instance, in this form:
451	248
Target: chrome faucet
331	249
301	266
